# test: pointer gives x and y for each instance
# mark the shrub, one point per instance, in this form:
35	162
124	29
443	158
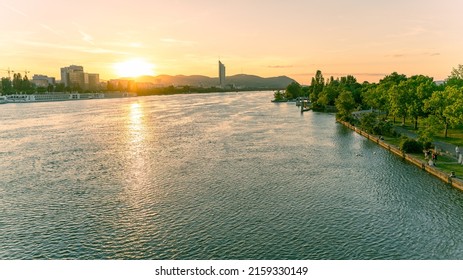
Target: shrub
384	128
411	146
372	124
368	123
316	106
428	145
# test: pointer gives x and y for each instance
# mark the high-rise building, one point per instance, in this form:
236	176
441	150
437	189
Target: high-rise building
221	74
76	79
93	81
73	75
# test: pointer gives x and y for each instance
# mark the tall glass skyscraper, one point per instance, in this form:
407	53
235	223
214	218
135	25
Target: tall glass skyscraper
221	74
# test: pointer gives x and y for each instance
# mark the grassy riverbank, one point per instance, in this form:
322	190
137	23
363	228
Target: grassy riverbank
446	163
447	160
454	137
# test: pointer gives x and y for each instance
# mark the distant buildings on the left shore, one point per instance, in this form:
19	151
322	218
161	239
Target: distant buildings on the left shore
43	80
73	78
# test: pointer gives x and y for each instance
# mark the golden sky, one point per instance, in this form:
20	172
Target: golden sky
368	39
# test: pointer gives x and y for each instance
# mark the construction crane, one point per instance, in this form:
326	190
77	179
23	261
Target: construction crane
9	71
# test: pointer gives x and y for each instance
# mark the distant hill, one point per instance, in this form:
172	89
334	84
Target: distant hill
239	81
259	82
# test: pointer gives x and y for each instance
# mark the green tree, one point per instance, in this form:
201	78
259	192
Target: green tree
329	93
456	77
75	87
27	86
457	72
447	107
41	89
393	79
374	96
60	87
50	88
306	91
317	85
418	88
368	122
17	82
350	83
7	86
345	103
429	129
293	90
454	112
278	95
399	100
379	96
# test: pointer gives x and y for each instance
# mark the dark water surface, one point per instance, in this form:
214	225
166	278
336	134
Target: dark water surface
213	176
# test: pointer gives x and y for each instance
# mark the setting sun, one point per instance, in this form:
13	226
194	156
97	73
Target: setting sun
134	68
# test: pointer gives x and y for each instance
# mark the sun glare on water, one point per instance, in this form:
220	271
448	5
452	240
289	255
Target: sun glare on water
134	68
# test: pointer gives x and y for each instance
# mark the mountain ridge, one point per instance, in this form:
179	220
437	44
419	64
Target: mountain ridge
239	81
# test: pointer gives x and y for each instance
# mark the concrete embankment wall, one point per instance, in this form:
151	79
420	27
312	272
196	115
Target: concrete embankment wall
455	182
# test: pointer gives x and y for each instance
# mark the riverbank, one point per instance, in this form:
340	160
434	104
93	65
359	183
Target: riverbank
61	96
454	182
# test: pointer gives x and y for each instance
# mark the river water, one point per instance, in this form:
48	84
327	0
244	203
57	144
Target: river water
210	176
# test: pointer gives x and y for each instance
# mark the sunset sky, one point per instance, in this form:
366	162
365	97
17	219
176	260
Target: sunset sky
368	39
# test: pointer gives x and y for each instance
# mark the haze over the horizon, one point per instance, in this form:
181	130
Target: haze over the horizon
367	39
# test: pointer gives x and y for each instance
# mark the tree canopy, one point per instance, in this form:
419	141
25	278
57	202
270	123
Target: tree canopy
396	95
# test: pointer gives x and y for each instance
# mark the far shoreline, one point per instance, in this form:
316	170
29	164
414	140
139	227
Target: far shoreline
60	96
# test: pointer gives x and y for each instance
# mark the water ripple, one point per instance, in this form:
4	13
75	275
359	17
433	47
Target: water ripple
229	177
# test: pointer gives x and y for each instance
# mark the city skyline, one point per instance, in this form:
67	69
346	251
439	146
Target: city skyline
362	38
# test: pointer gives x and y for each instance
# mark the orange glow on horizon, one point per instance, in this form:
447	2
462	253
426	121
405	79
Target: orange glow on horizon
134	68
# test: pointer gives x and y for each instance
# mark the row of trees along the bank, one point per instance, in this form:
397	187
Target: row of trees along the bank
19	84
22	85
431	107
